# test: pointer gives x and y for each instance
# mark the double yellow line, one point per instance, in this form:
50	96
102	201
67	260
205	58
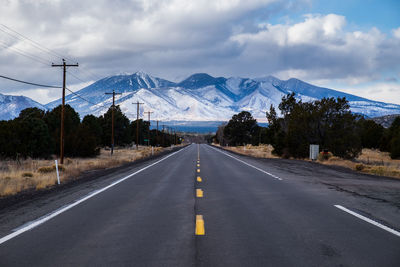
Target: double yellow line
200	230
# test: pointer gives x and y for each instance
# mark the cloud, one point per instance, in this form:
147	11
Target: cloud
396	33
320	48
175	38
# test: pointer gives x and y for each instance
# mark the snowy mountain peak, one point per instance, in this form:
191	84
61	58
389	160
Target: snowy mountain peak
202	97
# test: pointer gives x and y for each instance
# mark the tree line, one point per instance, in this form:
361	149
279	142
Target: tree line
35	133
327	122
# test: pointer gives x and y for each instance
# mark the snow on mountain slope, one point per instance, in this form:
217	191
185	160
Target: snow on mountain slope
202	97
11	106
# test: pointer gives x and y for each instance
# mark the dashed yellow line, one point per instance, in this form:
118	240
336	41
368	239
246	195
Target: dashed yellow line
199	192
199	179
200	225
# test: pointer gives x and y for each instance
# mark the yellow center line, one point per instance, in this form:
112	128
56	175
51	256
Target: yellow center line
199	179
200	225
199	192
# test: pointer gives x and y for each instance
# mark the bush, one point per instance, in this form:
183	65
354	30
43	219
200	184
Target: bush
27	174
324	156
359	167
46	169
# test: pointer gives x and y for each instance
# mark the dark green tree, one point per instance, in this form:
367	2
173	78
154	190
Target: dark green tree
122	129
93	124
327	122
241	129
143	131
371	133
71	123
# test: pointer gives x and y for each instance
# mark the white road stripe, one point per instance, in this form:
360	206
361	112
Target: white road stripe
90	195
261	170
390	230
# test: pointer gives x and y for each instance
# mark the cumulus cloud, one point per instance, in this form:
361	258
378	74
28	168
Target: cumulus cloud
320	48
175	38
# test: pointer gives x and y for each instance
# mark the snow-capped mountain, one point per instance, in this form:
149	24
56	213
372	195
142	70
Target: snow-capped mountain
11	106
202	97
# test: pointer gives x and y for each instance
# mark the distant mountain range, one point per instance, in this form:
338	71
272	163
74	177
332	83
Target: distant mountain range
11	106
202	97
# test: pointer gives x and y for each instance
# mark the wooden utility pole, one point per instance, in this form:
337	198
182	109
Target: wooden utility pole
148	140
64	65
112	119
137	124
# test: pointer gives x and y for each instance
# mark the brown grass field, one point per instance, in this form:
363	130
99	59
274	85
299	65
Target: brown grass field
39	174
370	161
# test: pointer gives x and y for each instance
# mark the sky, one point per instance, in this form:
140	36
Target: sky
347	45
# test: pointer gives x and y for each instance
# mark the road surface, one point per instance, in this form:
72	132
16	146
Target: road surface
202	206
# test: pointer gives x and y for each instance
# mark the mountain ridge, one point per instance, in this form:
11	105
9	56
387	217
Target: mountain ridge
202	97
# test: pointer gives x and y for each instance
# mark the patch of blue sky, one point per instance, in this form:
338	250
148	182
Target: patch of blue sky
360	14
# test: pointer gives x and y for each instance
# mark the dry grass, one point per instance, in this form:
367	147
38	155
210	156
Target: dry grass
39	174
370	161
261	151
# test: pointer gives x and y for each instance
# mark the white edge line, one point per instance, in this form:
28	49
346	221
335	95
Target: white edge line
90	195
261	170
390	230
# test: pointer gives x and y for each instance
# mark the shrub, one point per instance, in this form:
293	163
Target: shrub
46	169
324	156
359	167
27	174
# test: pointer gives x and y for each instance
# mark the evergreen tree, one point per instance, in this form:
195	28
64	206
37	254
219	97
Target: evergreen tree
122	129
240	129
327	122
71	123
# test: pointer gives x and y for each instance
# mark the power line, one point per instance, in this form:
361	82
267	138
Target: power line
19	36
36	84
84	99
25	54
76	77
33	43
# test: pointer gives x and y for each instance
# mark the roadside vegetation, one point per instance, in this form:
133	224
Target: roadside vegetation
30	143
344	138
17	176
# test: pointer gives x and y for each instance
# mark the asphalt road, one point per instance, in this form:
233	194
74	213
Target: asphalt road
255	213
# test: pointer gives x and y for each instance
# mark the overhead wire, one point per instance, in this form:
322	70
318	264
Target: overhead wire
25	54
19	36
36	84
22	37
84	99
